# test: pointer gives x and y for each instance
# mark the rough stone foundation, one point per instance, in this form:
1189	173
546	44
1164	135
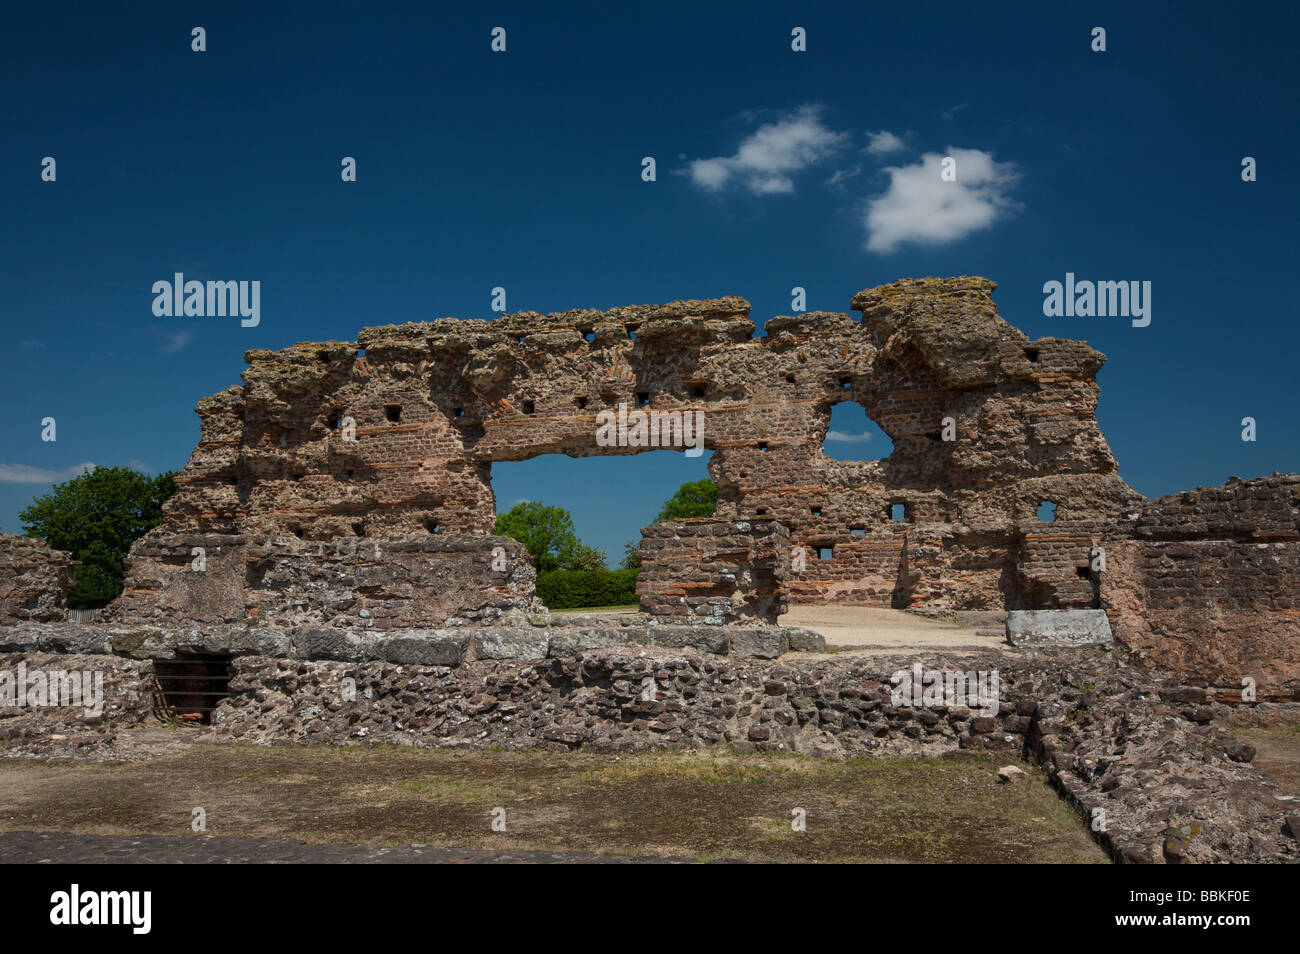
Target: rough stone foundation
35	580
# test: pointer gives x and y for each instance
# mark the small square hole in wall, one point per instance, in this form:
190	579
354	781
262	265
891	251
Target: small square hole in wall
521	338
846	383
825	553
761	511
431	525
697	390
590	336
1031	354
393	412
858	531
762	445
459	412
898	511
1083	571
1047	511
581	402
642	398
528	407
815	511
789	379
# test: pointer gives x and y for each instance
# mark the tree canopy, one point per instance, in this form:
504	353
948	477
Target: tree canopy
697	498
546	532
96	516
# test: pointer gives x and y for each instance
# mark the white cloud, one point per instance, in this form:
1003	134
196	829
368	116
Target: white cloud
841	176
919	207
175	341
884	142
847	438
22	474
766	159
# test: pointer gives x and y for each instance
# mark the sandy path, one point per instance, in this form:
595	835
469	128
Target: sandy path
873	626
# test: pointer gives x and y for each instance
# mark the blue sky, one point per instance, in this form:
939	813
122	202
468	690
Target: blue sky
522	169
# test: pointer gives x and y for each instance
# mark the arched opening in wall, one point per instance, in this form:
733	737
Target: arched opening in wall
609	500
852	435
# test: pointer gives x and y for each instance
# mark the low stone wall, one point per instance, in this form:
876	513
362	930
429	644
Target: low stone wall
429	580
432	647
35	580
27	704
714	571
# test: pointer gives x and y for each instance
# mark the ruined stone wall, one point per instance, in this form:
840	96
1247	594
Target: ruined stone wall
396	434
424	581
714	571
35	580
1210	586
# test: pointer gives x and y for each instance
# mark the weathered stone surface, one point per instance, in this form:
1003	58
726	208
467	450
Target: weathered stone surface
1068	629
511	644
441	647
425	648
714	571
435	404
1209	587
35	580
365	583
127	699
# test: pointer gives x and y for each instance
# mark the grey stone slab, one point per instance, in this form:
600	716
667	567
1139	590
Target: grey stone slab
760	642
1063	629
425	648
707	639
511	643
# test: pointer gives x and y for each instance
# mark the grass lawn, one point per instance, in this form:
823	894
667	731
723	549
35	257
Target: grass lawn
704	805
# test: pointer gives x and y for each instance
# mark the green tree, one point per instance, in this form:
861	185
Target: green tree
587	558
631	556
694	499
97	516
546	532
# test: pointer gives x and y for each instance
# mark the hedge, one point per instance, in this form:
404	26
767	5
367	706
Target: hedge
568	589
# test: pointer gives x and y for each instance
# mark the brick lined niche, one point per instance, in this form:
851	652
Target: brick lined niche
714	571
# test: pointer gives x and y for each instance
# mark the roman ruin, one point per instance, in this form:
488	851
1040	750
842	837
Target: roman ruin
335	523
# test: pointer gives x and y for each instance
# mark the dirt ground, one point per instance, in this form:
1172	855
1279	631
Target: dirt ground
716	805
867	626
1277	752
